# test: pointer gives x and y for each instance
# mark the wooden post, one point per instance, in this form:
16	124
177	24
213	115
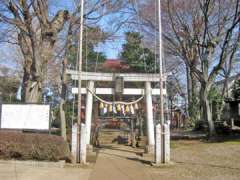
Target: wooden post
133	142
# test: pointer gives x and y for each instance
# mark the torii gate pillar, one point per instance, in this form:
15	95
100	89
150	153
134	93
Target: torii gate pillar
150	123
88	111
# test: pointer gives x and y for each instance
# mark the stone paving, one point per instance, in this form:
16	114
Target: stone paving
25	172
119	164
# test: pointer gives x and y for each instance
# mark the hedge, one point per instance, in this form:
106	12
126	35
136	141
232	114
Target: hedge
28	146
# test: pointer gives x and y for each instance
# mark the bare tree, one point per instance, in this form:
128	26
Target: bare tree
37	35
36	28
38	32
146	20
203	34
206	31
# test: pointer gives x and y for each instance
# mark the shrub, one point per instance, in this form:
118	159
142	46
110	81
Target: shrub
28	146
236	89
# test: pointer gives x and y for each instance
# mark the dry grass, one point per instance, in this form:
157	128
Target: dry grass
202	160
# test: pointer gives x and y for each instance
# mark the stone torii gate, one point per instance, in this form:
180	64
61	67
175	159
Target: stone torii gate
147	91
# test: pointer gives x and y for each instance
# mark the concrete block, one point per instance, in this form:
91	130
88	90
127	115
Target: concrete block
158	144
83	144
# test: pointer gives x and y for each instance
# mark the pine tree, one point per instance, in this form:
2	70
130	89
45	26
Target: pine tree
91	58
139	59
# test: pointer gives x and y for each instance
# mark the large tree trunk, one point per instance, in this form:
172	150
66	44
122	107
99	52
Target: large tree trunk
195	98
189	90
206	110
193	107
34	75
32	78
37	47
63	100
32	90
63	120
225	89
224	94
37	56
64	86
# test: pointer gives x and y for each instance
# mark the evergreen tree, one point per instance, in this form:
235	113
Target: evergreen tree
91	58
139	59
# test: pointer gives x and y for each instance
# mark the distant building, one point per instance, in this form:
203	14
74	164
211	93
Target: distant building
231	111
115	65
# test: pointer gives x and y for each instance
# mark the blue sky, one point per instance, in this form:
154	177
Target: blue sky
111	48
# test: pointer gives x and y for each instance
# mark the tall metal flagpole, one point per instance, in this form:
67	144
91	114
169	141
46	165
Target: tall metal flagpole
160	63
79	79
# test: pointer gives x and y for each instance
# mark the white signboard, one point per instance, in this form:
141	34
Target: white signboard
25	116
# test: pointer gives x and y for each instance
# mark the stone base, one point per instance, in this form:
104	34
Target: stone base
85	164
78	165
59	164
89	147
149	149
169	164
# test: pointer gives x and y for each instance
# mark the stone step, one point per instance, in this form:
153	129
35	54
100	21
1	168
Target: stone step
109	136
106	142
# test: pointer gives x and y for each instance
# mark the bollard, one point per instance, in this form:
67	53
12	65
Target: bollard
158	146
166	144
74	143
83	144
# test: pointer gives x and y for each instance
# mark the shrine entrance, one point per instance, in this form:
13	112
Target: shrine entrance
99	90
117	124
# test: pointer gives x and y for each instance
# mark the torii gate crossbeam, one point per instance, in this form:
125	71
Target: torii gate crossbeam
128	77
